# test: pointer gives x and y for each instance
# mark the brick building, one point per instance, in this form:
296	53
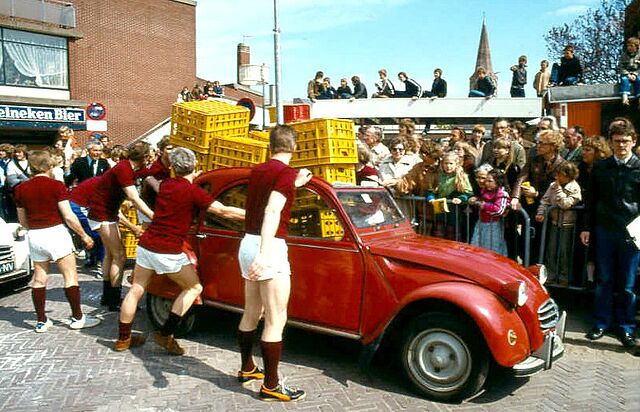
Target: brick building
133	56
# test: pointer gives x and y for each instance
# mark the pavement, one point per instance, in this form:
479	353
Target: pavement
70	370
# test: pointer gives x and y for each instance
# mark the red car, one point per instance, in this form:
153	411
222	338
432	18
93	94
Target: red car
361	272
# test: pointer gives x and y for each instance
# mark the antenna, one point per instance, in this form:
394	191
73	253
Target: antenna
245	37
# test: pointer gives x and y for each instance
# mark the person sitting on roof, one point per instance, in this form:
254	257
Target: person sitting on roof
411	87
628	68
569	71
484	86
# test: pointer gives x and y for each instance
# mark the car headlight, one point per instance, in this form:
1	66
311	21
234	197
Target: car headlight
539	271
516	293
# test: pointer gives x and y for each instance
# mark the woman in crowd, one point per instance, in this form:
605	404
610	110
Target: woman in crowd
407	131
467	154
113	187
396	165
477	139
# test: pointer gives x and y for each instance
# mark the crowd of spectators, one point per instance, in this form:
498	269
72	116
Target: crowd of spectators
550	167
208	91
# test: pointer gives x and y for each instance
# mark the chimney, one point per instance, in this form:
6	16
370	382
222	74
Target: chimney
244	57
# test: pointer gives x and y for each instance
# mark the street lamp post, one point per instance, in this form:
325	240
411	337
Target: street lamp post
276	55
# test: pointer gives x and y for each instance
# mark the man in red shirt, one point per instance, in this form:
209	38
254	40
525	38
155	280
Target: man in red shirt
42	204
160	250
113	187
264	263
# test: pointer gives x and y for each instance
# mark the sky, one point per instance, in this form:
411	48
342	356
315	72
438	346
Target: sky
344	38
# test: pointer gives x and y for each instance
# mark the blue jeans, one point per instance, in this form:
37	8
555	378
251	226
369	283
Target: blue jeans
476	93
98	249
617	262
625	85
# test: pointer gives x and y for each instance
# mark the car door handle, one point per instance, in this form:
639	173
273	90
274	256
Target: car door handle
201	235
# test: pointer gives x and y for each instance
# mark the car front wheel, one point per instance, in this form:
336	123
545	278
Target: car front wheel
158	309
444	357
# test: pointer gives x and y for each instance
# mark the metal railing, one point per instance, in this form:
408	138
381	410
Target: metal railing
61	13
458	224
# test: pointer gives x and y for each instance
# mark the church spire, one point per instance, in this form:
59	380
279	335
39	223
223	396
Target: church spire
483	58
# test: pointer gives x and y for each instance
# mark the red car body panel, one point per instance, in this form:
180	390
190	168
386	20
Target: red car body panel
360	283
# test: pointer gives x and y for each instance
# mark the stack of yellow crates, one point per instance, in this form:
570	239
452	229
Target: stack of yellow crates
129	240
328	148
204	126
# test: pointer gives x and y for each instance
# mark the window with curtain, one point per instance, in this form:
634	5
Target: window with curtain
35	60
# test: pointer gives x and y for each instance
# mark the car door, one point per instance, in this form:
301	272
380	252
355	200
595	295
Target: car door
326	265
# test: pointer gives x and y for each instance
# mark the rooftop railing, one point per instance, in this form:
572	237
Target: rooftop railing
61	13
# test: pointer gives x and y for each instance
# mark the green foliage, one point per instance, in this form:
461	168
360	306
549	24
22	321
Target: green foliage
598	39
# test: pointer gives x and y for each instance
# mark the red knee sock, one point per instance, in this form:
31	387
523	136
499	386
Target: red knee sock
271	352
124	330
245	340
39	295
73	296
171	324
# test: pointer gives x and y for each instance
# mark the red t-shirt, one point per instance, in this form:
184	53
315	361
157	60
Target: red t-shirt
177	203
81	194
109	193
39	196
264	179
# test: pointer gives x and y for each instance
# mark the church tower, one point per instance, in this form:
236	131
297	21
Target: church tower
483	59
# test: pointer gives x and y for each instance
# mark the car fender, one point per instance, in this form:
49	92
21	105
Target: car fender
502	328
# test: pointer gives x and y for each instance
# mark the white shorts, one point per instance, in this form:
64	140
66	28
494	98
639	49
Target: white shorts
95	225
161	263
50	244
279	259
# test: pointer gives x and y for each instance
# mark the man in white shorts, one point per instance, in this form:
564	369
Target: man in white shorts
42	204
161	251
264	263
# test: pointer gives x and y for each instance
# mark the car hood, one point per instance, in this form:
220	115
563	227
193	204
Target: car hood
473	263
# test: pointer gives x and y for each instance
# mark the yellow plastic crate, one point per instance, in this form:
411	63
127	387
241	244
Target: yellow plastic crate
130	242
335	173
260	135
202	156
326	150
209	115
237	152
330	226
324	128
201	139
130	213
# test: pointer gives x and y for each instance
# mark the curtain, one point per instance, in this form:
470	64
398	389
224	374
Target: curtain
47	65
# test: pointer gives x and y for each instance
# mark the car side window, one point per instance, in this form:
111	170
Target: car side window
312	217
235	196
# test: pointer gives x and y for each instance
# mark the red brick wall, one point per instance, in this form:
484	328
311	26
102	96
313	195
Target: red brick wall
136	55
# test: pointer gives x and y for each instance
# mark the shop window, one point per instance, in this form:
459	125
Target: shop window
34	60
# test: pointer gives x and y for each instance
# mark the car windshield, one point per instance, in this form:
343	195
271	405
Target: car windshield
370	208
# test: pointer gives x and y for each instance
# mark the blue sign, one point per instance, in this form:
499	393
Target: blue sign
41	114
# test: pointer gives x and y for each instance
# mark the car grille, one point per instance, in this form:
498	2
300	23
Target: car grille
548	314
6	254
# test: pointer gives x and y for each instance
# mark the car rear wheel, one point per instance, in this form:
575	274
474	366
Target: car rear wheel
444	357
158	309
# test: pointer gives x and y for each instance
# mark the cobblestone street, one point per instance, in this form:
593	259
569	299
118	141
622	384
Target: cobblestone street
72	370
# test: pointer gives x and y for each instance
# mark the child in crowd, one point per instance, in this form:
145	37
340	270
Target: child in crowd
564	193
453	184
492	204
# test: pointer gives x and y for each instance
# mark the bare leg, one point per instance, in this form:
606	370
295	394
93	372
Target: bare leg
253	307
67	266
130	303
114	255
275	298
188	280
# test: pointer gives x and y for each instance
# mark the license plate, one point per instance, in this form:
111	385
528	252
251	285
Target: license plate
7	267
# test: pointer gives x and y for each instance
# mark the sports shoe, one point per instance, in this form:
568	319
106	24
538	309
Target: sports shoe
246	378
131	342
42	327
281	393
84	322
169	343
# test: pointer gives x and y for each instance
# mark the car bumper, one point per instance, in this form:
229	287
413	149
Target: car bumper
551	350
15	275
